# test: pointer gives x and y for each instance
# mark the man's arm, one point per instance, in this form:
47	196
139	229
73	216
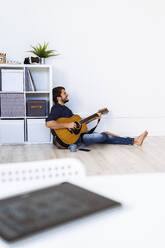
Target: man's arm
56	125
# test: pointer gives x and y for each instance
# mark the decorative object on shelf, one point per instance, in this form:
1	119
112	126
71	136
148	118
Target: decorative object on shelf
42	52
42	61
13	62
2	58
32	60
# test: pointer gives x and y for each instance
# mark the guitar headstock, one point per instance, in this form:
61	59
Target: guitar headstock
103	111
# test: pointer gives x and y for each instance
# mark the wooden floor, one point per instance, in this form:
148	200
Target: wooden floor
102	159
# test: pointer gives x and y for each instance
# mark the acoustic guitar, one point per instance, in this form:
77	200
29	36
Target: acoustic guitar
65	136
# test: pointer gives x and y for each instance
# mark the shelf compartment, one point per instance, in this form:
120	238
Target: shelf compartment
12	132
40	78
37	131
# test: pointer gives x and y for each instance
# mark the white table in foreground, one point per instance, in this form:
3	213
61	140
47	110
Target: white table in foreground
140	222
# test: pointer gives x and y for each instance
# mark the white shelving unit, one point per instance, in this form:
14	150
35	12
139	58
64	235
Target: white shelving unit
35	131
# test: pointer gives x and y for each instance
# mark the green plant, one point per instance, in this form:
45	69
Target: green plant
42	52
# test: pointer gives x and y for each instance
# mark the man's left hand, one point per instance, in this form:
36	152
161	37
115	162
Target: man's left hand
99	115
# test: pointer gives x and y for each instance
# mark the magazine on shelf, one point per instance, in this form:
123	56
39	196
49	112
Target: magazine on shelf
29	81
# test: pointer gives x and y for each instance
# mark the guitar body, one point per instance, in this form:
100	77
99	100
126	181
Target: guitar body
67	136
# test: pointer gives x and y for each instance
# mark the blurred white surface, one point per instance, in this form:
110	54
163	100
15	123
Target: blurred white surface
140	222
20	177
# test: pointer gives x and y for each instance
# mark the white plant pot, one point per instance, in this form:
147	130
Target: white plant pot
42	61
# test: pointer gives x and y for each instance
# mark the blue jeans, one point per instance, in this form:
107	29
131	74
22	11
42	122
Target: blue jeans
103	138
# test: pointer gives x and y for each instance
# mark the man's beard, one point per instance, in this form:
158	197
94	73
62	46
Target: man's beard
66	100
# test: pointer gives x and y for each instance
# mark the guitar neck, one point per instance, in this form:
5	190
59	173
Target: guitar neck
88	118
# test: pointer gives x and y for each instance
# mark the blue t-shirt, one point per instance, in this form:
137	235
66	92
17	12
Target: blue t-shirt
59	111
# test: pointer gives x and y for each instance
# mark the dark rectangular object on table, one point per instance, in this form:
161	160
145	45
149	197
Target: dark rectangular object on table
35	211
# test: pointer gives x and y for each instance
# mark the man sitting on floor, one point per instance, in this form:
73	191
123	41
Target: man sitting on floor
59	110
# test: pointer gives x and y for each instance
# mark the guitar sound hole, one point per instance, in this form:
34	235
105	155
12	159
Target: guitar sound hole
77	129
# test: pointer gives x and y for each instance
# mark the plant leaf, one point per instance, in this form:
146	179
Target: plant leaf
42	52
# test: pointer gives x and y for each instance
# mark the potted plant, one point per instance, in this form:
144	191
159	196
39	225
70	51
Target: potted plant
42	52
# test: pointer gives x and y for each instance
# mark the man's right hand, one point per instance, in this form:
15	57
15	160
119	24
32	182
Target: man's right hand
71	125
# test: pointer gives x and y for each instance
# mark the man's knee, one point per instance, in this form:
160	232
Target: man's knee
103	137
94	138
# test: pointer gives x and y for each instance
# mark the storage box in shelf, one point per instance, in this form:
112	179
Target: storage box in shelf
36	108
37	97
12	80
12	105
37	132
11	132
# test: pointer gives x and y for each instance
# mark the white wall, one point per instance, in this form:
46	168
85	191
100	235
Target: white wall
112	55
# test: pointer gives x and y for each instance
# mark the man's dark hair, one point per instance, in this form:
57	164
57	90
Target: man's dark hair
57	93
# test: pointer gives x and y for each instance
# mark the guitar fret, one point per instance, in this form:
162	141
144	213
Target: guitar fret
88	118
102	111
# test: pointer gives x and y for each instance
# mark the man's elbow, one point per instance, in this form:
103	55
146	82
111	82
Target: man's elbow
48	124
51	124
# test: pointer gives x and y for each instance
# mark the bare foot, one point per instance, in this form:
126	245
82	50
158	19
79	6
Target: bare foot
139	140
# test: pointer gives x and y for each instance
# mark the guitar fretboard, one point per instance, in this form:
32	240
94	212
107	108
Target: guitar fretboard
88	118
91	117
